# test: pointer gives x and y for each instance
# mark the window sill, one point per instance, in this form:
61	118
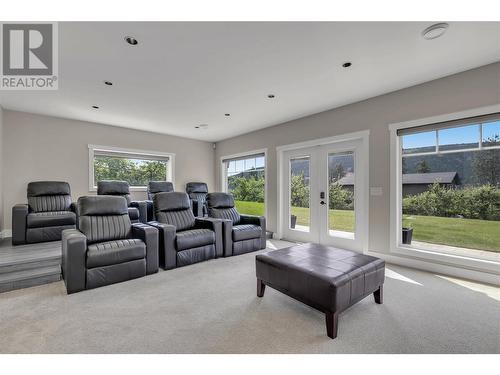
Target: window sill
485	265
341	234
132	188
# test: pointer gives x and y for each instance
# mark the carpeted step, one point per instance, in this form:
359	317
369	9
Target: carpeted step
30	277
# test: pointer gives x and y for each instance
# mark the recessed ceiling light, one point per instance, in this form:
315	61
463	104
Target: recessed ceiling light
109	83
95	107
435	31
271	96
227	114
346	64
131	40
201	126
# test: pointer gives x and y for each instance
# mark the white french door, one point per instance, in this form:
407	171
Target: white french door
324	196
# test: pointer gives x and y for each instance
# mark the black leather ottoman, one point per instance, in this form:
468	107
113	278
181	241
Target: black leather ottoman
326	278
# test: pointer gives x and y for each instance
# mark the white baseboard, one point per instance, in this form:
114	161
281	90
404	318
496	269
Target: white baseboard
458	272
6	233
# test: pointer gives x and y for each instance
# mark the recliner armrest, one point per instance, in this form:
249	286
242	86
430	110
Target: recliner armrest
149	235
256	220
251	219
167	250
74	254
143	210
216	226
227	236
19	214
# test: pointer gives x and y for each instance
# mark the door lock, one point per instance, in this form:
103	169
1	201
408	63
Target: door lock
322	195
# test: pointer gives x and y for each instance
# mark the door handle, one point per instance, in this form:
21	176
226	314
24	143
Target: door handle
322	202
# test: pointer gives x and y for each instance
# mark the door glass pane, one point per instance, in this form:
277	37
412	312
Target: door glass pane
341	193
299	194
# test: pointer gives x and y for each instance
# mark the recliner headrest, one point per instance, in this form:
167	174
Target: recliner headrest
112	187
96	205
196	187
220	200
160	186
39	188
172	201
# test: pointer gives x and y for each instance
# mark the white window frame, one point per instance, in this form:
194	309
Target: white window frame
396	199
249	154
133	153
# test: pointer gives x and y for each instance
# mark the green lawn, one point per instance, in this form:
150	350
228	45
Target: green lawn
343	220
250	208
338	219
468	233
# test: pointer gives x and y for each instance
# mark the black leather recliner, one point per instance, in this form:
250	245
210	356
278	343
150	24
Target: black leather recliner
49	211
153	188
197	192
184	239
241	233
107	248
138	210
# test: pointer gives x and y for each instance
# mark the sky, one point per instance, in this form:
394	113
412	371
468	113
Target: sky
464	134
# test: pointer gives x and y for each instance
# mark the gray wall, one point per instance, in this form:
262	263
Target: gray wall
48	148
1	169
471	89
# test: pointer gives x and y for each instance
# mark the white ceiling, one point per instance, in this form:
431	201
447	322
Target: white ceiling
184	74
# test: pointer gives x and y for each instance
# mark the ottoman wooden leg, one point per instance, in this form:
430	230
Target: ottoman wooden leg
332	320
261	287
379	295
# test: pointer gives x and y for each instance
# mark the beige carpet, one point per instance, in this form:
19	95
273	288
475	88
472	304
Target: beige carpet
212	307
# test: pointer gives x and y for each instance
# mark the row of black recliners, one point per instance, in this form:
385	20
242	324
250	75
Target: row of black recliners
104	242
49	209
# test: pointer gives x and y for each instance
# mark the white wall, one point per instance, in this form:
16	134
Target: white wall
48	148
475	88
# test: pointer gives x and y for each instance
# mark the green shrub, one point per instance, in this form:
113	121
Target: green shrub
249	189
299	191
482	202
340	198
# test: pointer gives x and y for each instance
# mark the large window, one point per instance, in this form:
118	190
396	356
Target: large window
137	168
450	187
244	177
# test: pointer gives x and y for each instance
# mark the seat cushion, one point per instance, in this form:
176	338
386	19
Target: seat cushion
246	232
115	252
50	219
188	239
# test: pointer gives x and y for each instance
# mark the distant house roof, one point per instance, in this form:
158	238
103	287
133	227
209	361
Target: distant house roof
348	179
429	178
412	178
